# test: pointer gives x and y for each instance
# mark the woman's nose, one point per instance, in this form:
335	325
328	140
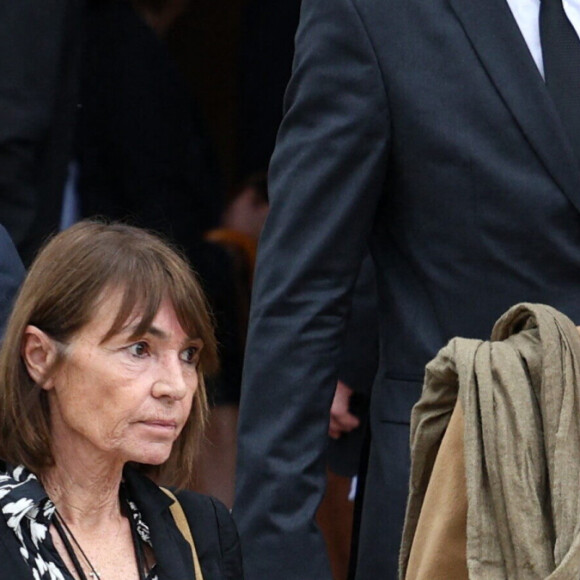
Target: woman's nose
172	379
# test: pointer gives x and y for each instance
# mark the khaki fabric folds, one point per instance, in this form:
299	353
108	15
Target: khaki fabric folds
517	400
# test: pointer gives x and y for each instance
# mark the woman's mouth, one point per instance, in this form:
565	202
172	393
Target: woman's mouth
160	425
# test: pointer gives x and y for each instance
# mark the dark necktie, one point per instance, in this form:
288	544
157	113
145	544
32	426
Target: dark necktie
561	55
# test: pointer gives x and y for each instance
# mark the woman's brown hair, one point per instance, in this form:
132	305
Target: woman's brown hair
66	283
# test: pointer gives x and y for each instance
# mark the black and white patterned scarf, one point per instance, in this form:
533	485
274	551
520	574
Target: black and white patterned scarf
29	511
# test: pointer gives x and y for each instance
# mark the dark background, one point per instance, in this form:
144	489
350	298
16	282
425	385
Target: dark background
236	56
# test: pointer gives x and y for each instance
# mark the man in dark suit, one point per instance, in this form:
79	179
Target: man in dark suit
425	129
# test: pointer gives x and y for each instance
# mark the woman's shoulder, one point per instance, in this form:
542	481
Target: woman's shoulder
211	525
213	530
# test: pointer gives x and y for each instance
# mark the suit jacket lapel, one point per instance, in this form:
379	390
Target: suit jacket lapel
498	42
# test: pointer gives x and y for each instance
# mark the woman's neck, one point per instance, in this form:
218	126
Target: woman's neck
81	495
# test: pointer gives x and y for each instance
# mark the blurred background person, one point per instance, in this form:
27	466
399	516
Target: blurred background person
239	232
142	148
238	235
40	43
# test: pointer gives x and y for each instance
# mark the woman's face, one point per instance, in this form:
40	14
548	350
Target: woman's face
123	400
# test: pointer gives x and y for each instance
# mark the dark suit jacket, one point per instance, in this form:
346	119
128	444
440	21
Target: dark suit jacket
11	276
211	526
39	54
426	128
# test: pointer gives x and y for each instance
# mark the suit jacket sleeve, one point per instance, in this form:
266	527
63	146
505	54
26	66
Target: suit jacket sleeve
11	275
326	179
31	38
359	357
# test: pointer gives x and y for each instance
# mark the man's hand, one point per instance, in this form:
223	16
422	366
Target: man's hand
341	419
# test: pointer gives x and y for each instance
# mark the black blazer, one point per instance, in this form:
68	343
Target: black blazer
426	128
211	526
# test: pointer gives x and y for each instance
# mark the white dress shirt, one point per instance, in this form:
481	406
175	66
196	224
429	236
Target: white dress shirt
527	15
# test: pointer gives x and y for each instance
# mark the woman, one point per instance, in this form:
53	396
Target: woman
102	389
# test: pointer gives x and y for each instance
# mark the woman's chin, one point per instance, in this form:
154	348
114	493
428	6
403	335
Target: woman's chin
153	455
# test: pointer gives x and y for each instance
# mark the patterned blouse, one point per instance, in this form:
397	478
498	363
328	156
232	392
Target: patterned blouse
29	511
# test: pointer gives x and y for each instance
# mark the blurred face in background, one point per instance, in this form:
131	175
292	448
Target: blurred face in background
247	213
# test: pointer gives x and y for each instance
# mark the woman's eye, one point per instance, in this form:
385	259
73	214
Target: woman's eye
139	349
189	355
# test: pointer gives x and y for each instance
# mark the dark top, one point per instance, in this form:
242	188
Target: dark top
212	528
141	144
30	513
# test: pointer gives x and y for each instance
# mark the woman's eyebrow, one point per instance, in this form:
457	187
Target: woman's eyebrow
159	333
133	331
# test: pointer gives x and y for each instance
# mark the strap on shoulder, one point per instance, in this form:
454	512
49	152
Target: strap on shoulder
183	526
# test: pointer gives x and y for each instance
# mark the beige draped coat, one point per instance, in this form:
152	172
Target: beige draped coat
495	437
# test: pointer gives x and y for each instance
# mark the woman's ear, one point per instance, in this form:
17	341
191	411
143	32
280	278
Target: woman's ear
40	353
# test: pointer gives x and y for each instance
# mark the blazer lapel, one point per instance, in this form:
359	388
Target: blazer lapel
172	552
498	42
